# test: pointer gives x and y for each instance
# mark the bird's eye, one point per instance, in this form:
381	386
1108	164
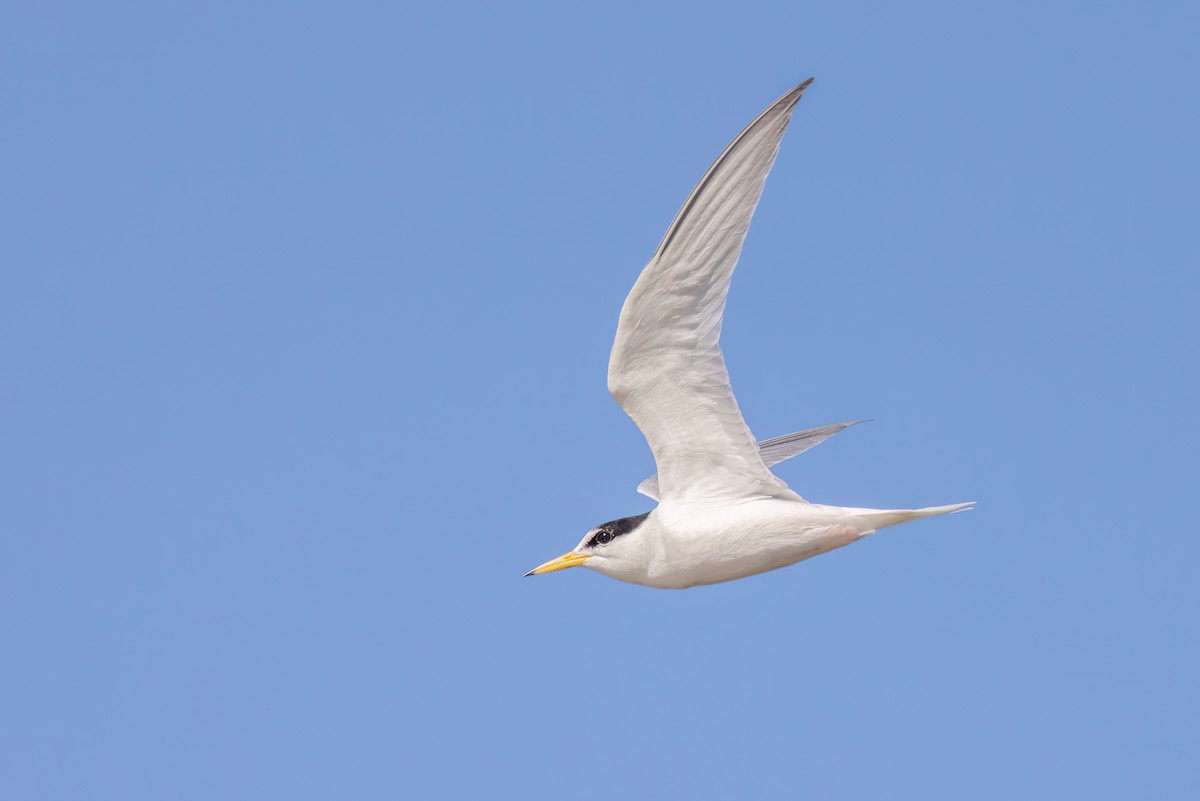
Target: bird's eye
603	537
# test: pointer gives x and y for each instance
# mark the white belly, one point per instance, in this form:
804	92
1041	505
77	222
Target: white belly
697	545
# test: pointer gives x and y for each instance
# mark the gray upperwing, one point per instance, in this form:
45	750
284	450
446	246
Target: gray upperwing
773	451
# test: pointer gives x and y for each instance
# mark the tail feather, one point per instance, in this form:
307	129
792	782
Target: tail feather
882	518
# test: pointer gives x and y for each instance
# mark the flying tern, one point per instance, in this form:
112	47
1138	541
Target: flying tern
721	514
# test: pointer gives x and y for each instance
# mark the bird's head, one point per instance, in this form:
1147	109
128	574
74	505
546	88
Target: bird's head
611	548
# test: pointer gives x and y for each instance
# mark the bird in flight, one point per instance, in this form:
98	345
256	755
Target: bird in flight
721	513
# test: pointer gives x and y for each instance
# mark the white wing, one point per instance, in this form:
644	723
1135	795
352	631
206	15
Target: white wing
666	369
773	451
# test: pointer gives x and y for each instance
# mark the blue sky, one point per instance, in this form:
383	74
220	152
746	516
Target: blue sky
305	313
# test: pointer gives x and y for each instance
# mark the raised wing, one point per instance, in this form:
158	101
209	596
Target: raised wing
773	451
666	368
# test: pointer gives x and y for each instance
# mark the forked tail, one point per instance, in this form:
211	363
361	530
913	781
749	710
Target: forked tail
882	518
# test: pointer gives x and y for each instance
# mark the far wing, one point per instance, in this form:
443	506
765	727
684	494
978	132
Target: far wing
666	369
773	451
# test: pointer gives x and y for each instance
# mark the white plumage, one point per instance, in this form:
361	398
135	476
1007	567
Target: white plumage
722	513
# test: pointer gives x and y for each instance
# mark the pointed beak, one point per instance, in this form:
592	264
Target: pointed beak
570	559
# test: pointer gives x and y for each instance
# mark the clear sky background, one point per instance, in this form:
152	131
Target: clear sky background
305	312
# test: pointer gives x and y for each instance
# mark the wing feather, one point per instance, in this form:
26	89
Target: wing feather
773	451
666	369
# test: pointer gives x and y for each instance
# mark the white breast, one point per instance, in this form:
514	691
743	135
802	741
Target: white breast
685	545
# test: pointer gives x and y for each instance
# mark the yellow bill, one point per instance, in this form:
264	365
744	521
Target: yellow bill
571	559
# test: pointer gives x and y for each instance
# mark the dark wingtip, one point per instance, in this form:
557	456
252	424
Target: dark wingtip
794	94
530	573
